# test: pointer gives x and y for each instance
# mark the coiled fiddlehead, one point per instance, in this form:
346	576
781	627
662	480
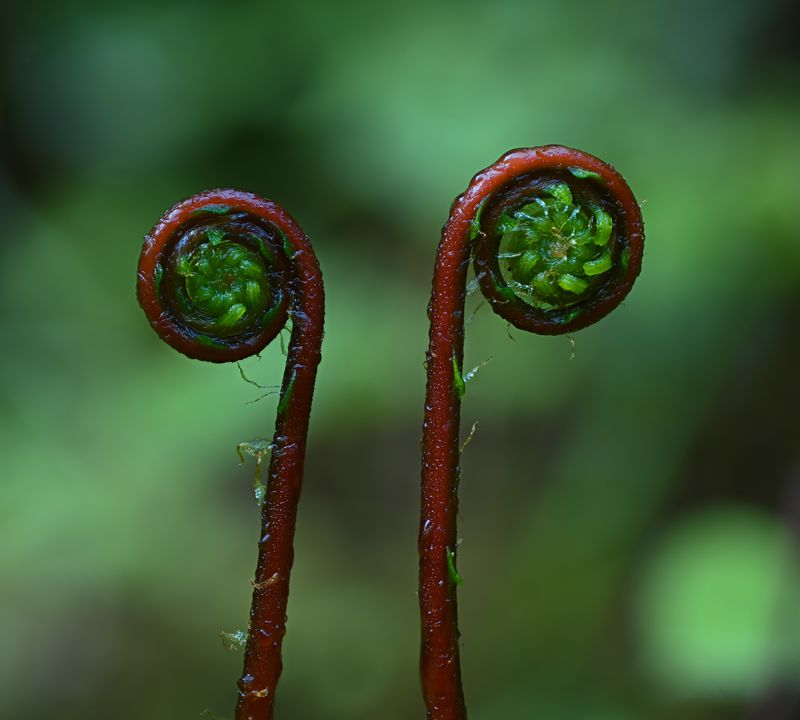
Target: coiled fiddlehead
219	276
556	239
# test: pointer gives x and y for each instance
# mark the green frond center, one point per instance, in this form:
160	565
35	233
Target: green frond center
225	283
554	252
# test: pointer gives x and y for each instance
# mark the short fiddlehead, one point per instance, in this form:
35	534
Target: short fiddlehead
219	276
556	239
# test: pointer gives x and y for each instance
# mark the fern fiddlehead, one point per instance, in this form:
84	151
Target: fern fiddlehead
219	276
556	239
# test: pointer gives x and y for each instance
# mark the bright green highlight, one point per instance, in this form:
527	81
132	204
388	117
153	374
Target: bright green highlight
225	282
584	174
210	342
458	379
452	571
213	209
554	251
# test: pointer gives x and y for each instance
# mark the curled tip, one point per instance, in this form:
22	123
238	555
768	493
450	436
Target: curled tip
213	277
559	241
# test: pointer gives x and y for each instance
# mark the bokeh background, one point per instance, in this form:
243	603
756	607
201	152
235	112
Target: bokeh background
630	515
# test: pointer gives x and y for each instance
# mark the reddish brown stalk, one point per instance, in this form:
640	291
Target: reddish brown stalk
506	185
296	283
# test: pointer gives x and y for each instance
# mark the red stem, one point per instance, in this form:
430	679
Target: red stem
262	660
440	661
297	283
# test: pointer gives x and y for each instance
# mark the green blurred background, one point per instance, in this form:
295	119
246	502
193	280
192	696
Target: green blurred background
630	516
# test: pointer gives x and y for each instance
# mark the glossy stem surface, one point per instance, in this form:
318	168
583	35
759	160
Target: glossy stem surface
440	663
219	275
437	543
262	659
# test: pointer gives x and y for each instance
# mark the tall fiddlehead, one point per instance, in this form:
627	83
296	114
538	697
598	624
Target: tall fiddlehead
556	239
219	276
